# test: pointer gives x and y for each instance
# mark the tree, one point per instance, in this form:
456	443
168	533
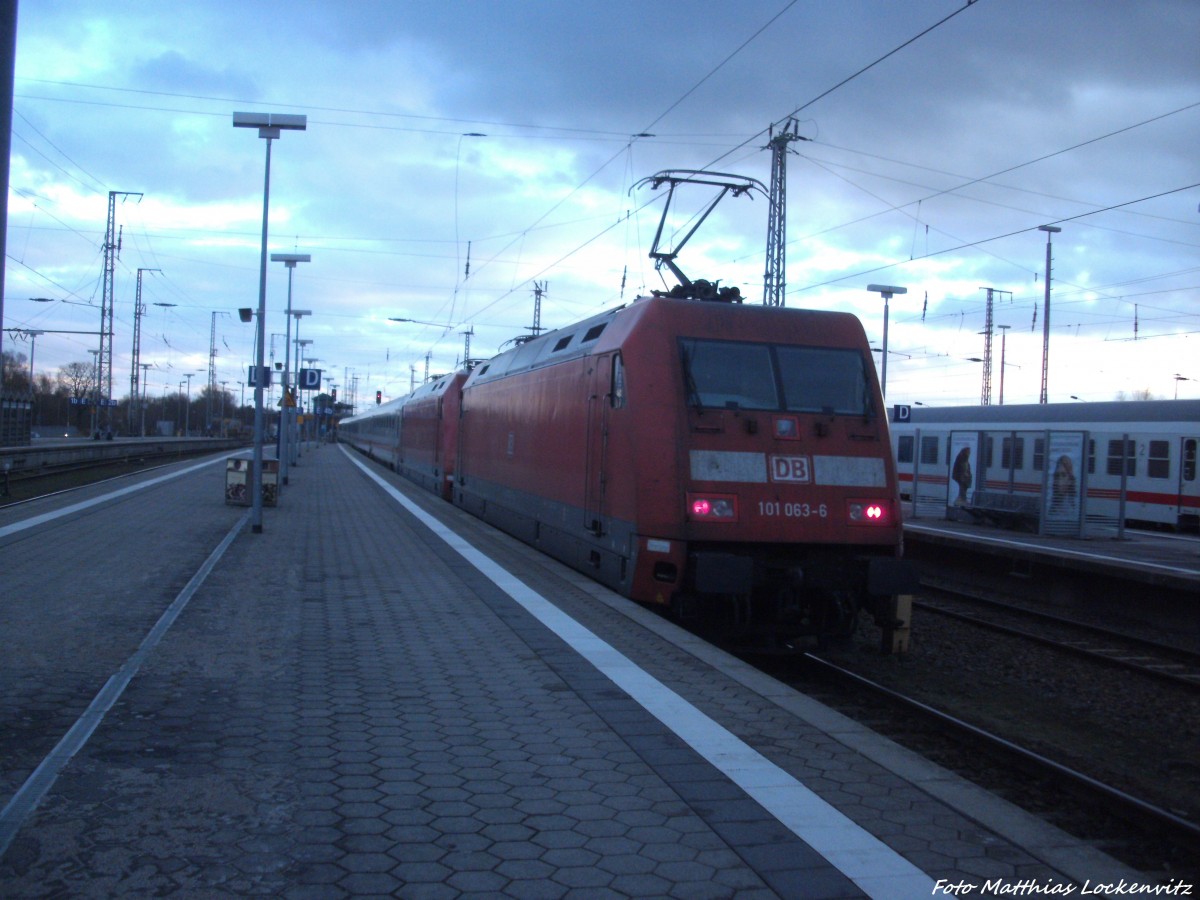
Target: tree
15	375
76	379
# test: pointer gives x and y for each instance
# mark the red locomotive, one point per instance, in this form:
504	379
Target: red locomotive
725	461
721	459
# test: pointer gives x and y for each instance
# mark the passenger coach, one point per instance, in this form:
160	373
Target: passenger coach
1135	457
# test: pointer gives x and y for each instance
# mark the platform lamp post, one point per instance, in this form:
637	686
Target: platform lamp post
1043	397
145	367
1003	349
32	334
887	291
298	314
286	407
269	126
187	404
300	345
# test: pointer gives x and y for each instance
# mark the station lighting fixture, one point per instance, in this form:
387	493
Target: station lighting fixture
1043	397
269	126
886	290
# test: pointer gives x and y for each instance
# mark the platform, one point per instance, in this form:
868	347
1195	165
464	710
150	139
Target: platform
1157	558
379	695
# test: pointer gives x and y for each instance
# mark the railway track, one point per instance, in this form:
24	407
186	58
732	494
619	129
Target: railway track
1154	832
23	485
1093	642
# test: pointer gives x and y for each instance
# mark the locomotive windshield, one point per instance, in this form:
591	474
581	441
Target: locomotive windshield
735	375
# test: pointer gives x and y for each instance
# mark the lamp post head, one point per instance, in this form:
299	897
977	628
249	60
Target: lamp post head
887	290
301	312
1049	229
290	259
270	124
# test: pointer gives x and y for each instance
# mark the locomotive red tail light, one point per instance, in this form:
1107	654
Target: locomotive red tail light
712	507
868	512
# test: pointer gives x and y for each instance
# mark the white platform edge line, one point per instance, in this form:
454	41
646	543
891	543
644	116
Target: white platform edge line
859	855
34	521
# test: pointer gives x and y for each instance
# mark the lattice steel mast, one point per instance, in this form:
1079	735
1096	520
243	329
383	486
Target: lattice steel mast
139	310
112	248
774	279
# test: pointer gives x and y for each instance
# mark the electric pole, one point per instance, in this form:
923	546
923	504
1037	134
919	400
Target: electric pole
112	250
139	310
774	279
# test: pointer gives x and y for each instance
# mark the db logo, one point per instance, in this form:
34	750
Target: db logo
790	468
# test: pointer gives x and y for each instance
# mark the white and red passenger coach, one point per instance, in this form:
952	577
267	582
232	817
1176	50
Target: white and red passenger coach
720	459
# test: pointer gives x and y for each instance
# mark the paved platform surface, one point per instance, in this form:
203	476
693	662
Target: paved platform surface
1151	557
377	699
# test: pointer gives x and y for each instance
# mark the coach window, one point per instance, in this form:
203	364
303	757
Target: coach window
1159	463
1012	453
617	397
1039	454
929	451
1114	458
904	449
1091	456
1189	459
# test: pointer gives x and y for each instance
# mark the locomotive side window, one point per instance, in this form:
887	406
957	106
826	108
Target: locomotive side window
1114	458
1159	463
904	448
617	397
1189	459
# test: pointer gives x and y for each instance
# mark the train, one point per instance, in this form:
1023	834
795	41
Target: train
1108	463
720	461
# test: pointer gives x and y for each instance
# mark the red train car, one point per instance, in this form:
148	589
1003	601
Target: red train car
428	433
716	458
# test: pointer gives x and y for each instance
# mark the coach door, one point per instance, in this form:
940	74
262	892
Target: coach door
1189	488
596	450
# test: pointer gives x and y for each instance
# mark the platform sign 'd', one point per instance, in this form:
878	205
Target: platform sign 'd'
901	412
252	379
310	379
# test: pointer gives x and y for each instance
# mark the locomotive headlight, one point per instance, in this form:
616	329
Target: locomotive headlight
712	507
867	512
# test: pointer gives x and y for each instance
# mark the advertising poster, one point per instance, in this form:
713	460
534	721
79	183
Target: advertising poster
1065	459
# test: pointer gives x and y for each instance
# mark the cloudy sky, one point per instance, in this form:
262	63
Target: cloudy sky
509	136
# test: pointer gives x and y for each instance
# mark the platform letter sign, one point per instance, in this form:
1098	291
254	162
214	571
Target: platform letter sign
252	378
310	379
901	413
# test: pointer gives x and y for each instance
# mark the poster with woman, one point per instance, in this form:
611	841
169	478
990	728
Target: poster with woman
963	456
1065	460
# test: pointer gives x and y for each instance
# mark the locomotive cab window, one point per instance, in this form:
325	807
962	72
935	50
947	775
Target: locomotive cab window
735	375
